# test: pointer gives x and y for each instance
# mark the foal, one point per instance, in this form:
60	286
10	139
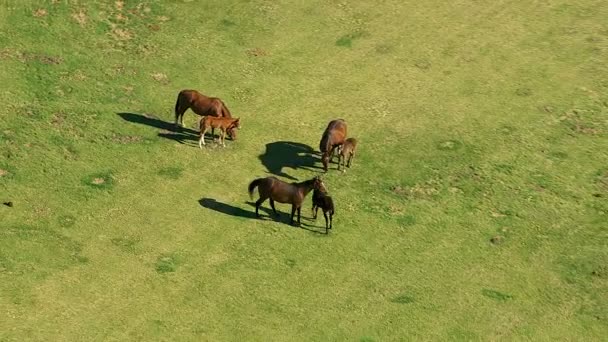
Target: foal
276	190
321	199
224	124
347	151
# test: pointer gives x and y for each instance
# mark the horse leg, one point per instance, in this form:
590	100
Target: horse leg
314	211
350	158
258	203
331	218
293	211
223	137
299	210
326	225
201	140
272	206
213	133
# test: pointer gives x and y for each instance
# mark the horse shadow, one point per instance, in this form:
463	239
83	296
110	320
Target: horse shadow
228	209
288	154
224	208
285	217
168	129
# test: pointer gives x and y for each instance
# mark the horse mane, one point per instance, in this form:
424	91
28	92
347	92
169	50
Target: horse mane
225	111
324	144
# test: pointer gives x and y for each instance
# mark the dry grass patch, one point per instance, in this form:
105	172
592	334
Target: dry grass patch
80	17
39	13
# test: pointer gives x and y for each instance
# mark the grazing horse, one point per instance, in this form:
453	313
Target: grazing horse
347	151
201	105
332	138
322	200
224	124
283	192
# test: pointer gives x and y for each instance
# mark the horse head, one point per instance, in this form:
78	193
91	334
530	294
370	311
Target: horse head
318	184
236	124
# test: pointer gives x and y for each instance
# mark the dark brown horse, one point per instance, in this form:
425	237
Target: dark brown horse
321	199
332	138
347	151
276	190
201	105
224	124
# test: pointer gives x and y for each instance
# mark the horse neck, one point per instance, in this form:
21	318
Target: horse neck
306	187
226	111
325	141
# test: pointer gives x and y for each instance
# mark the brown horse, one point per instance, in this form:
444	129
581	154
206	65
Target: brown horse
322	200
276	190
201	105
332	138
224	124
347	151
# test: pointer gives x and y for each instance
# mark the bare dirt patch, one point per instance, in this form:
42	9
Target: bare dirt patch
98	181
122	34
256	52
39	13
160	78
3	173
80	17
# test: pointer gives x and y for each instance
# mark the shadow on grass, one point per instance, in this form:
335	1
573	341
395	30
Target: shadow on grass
228	209
286	217
224	208
169	131
288	154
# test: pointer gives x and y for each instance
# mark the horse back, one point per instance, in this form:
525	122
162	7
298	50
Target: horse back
334	134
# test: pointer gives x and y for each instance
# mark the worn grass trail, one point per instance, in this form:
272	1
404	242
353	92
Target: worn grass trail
475	209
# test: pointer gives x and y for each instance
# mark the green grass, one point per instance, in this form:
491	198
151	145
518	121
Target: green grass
475	209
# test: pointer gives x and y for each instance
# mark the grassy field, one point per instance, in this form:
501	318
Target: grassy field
476	208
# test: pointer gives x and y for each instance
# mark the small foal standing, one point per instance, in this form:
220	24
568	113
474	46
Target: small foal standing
347	151
321	199
224	124
276	190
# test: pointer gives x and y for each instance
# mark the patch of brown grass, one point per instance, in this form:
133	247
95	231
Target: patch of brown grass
160	77
256	52
122	34
80	17
3	173
98	181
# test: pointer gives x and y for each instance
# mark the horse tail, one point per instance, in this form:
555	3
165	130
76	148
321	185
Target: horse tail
324	144
179	105
253	184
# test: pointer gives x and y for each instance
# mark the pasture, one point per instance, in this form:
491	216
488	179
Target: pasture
476	208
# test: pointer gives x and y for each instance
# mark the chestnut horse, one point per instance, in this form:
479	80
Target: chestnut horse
276	190
224	124
201	105
332	138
